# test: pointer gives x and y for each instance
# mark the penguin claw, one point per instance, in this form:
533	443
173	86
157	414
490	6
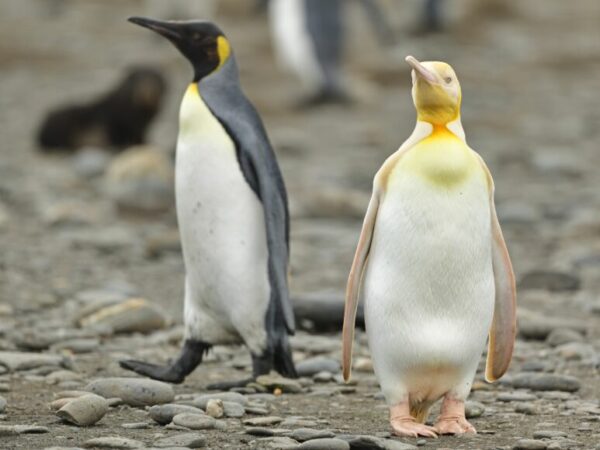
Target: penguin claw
410	428
454	426
154	371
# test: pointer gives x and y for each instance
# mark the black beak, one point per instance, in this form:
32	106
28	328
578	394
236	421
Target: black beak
170	30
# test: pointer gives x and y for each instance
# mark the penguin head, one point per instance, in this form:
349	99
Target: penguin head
202	43
436	91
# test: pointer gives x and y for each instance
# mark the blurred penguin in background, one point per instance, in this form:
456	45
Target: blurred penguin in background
116	120
308	36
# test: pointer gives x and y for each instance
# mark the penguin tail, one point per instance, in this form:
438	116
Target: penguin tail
282	357
420	411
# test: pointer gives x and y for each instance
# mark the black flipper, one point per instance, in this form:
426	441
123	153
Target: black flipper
190	357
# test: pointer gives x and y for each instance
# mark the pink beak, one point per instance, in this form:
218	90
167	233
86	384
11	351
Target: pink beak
420	69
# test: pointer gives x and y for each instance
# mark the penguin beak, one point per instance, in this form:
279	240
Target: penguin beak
420	70
170	30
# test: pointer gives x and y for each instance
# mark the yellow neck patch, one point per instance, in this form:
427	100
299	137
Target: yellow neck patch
223	50
441	158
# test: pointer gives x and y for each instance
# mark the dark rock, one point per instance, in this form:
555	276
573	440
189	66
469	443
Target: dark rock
546	382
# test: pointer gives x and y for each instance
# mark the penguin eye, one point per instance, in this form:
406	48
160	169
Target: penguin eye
448	80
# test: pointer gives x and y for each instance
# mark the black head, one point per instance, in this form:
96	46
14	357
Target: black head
202	43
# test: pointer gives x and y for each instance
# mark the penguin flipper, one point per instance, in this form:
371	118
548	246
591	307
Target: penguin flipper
504	325
354	280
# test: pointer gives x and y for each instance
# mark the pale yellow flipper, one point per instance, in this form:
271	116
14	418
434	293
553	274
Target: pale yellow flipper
504	325
354	281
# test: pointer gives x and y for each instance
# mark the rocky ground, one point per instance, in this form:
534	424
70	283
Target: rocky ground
84	283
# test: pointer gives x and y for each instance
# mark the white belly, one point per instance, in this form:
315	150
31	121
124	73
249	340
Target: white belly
429	286
222	233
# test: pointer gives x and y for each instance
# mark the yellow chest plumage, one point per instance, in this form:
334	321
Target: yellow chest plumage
441	158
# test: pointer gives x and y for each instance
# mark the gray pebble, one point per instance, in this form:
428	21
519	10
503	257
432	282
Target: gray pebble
323	377
550	280
306	434
31	429
15	361
2	404
113	442
561	336
279	443
136	425
273	382
187	440
324	444
263	421
293	422
164	414
546	382
474	409
530	444
312	366
84	411
516	396
7	430
365	442
232	409
90	162
260	431
527	408
258	410
548	434
133	391
202	400
194	421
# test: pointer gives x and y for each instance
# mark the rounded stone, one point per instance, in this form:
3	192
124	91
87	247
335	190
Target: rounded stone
185	440
214	408
164	414
194	421
84	411
133	391
324	444
530	444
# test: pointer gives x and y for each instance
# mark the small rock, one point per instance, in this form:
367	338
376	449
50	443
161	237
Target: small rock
90	162
576	351
293	422
363	365
324	444
113	442
84	411
2	404
260	431
474	409
141	179
186	440
279	443
164	414
546	382
306	434
129	316
202	400
62	375
194	421
133	391
273	382
233	409
31	429
548	434
16	361
550	280
136	425
7	430
530	444
527	408
516	396
323	377
77	345
560	336
263	421
312	366
214	408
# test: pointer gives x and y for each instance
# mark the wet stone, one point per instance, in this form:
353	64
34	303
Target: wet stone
186	440
546	382
306	434
133	391
164	414
113	442
194	421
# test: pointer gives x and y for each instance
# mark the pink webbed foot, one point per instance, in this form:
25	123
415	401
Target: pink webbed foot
405	425
452	419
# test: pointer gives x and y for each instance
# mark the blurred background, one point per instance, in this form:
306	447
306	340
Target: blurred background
88	124
93	215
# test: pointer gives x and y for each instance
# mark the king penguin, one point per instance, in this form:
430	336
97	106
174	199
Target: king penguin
433	267
232	214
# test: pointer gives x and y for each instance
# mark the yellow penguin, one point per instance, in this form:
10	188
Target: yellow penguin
433	268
